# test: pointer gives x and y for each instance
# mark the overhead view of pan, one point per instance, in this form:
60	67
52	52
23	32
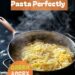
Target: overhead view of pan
21	39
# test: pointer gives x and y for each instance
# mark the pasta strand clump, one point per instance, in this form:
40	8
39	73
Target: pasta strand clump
46	57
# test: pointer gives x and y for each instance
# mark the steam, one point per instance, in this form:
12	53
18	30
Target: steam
44	20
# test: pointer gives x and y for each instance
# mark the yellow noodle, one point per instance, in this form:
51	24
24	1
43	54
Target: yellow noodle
46	57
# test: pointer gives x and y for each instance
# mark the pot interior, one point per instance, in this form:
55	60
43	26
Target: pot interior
21	40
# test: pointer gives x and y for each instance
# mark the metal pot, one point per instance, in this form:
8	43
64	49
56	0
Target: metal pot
23	38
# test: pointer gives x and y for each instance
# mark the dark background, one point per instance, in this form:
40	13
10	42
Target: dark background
6	12
13	15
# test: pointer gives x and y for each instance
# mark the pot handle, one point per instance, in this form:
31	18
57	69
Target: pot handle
69	35
7	25
4	62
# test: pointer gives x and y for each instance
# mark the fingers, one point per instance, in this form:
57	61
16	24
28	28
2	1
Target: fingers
2	20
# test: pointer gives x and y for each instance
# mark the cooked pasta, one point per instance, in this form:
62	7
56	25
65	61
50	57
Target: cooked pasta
46	57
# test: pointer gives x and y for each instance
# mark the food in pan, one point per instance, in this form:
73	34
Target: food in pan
47	57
